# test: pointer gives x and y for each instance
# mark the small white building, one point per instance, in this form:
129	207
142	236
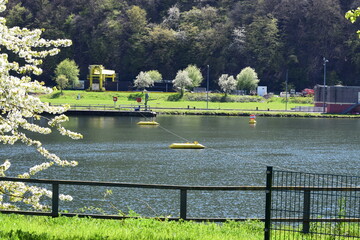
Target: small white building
261	91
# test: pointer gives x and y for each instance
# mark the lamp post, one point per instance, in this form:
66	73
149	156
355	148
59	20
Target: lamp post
207	88
325	61
286	89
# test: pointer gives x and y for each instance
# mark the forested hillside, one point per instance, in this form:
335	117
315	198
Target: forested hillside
271	36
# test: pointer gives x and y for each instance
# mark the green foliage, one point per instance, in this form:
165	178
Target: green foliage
352	16
62	82
247	79
134	96
222	98
129	36
174	97
70	70
155	75
263	44
195	75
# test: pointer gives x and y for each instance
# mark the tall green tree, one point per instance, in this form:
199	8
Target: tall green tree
263	45
70	70
247	79
62	82
195	75
155	75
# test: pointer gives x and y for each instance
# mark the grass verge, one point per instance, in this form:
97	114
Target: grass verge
64	228
161	100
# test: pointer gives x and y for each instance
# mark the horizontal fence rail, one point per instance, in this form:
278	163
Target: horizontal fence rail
183	190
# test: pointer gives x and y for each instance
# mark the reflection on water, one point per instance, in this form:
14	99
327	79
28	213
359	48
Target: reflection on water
237	153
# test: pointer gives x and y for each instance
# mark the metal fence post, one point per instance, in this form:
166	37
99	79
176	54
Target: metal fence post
306	213
183	203
269	175
55	200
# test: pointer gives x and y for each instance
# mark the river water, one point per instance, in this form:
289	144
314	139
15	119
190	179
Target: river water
116	149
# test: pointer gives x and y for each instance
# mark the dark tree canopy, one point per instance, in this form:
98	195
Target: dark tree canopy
228	35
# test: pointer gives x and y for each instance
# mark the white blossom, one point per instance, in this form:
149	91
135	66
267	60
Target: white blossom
21	109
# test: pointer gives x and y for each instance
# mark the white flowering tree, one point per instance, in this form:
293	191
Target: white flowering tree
182	81
143	80
227	83
18	104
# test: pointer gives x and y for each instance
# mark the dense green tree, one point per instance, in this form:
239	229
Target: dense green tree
61	82
247	79
70	70
263	46
195	75
133	36
155	75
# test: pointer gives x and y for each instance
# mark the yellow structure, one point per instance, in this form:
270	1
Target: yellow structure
194	145
98	76
148	123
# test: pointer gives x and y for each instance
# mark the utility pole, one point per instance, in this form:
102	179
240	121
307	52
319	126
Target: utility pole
325	61
286	88
207	88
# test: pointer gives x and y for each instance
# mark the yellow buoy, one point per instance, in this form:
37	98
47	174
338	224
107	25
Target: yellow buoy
148	123
252	119
194	145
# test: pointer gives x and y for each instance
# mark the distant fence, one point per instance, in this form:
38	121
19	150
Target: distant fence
311	206
308	109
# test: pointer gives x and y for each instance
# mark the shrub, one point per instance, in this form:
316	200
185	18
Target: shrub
133	96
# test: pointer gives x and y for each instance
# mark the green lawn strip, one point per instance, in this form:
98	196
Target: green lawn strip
34	227
160	100
274	107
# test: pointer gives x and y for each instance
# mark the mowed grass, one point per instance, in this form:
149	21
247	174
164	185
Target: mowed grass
64	228
160	100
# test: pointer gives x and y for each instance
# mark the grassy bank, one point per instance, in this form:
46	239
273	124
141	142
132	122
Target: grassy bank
63	228
170	100
193	103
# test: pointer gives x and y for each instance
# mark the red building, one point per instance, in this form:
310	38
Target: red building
338	99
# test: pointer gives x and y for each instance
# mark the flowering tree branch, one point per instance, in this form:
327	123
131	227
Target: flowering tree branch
19	102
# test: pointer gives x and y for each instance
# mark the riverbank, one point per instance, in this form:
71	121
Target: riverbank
236	112
192	104
64	228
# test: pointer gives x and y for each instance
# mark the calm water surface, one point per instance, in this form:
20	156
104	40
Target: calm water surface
116	149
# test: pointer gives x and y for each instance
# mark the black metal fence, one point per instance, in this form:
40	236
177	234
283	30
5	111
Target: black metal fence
182	190
311	206
298	205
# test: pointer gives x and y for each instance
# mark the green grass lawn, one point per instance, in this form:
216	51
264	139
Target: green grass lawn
64	228
160	100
